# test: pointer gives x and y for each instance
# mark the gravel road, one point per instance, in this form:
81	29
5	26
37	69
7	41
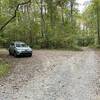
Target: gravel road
53	75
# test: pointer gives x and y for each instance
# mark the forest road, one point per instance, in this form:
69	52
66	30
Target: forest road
53	75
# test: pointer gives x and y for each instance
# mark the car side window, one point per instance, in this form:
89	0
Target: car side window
12	44
18	45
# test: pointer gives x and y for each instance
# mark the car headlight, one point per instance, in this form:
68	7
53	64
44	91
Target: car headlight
19	50
29	49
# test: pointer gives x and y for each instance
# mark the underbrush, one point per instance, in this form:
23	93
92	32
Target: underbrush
4	68
73	48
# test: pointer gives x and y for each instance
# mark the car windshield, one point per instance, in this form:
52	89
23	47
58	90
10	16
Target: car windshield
21	45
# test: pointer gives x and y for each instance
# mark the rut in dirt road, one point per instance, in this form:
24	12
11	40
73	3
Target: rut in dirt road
60	75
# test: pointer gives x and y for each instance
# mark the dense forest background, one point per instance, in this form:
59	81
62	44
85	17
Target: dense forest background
49	23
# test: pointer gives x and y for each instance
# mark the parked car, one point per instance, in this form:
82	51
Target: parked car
20	49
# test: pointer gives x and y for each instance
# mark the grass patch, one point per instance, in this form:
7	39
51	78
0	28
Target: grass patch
97	46
4	68
73	48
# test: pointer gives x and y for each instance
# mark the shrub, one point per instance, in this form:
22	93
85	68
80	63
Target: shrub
85	40
4	68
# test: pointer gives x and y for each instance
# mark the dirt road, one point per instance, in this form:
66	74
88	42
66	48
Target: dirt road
53	75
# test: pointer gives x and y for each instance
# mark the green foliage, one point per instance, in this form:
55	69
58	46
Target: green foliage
91	19
85	40
4	68
43	24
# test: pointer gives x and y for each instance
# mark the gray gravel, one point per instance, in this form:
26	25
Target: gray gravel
53	75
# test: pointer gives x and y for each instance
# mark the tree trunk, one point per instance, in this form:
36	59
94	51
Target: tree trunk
98	23
71	8
62	9
42	19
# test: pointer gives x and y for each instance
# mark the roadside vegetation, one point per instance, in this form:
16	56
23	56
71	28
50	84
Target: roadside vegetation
4	68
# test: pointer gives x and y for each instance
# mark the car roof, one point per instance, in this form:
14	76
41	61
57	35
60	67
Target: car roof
18	42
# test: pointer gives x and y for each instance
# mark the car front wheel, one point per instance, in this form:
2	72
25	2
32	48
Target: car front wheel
10	53
30	55
15	54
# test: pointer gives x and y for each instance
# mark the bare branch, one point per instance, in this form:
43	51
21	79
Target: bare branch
23	3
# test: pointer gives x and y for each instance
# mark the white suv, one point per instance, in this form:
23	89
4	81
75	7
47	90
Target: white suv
20	49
